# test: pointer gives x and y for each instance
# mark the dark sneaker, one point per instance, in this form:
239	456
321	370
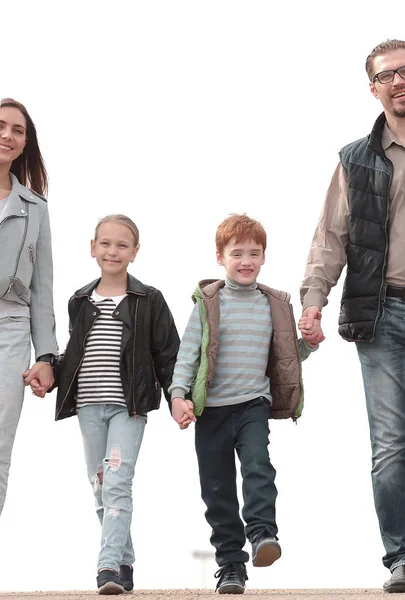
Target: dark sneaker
126	576
396	583
231	578
108	583
265	549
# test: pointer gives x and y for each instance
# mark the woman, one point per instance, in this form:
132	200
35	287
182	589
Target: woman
26	302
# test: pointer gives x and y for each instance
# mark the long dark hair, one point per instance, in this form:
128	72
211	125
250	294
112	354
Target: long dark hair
29	167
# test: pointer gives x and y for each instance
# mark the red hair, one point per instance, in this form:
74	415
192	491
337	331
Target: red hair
242	228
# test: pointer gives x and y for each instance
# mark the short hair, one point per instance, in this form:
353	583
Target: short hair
383	48
121	220
242	228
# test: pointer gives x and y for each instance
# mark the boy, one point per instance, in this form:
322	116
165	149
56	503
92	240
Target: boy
240	358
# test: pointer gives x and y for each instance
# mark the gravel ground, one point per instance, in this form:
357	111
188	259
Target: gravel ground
208	595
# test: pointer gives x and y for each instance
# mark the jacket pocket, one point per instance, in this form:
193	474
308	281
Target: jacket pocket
20	289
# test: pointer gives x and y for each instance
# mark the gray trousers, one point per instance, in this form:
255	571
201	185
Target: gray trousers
15	353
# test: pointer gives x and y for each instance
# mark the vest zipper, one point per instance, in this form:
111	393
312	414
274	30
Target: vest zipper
386	247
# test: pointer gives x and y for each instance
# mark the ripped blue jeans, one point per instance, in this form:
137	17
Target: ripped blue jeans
112	440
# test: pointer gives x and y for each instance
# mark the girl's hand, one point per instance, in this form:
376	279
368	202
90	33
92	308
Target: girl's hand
42	373
36	388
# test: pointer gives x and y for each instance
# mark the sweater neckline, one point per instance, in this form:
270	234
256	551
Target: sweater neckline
238	288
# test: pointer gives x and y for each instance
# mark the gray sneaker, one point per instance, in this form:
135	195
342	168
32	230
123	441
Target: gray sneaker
231	578
265	549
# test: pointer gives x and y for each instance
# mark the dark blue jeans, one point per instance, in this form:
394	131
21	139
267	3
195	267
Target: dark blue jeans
219	432
383	369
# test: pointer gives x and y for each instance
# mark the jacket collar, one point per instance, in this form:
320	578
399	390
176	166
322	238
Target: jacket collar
210	287
133	285
24	192
375	137
15	205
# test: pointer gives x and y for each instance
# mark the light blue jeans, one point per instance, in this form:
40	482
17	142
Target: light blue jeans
112	440
15	353
383	368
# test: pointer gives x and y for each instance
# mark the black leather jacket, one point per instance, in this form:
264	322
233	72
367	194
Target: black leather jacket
148	348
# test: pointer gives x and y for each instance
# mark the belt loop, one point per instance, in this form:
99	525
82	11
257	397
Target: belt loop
384	294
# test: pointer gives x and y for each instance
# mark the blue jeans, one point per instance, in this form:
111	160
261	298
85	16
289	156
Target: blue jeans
15	352
219	432
383	368
112	440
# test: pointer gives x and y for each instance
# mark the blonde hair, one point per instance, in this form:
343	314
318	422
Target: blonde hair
121	220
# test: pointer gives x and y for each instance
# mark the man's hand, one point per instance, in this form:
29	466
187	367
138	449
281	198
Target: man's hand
183	412
310	326
40	378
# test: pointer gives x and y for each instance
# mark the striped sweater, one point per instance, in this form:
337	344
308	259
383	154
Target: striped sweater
245	332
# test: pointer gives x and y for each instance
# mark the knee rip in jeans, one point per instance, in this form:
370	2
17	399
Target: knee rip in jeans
98	479
113	512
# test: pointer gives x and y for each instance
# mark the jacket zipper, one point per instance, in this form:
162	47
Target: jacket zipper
10	285
133	359
294	418
76	371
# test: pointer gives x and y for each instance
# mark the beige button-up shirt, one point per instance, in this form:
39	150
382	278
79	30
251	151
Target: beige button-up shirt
327	255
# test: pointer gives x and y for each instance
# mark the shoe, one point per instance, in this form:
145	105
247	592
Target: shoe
231	578
265	549
396	583
126	576
108	583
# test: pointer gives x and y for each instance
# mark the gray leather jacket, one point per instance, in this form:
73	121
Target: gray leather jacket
26	270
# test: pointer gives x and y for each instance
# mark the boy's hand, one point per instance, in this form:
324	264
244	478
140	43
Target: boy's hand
316	327
310	326
183	412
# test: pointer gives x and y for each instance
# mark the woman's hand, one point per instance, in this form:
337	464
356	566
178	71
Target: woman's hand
40	378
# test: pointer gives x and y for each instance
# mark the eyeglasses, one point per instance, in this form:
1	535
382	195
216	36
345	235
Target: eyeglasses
388	76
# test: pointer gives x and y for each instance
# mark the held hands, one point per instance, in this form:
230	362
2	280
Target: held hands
310	326
40	378
183	412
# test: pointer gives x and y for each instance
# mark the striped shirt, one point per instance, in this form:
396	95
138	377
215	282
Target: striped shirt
99	379
245	331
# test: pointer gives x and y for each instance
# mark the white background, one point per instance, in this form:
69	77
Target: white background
178	113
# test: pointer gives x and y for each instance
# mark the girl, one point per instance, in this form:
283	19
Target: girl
26	301
122	350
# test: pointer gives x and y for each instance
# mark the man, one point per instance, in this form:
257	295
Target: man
363	224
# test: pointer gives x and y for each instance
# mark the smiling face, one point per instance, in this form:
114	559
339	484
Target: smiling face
242	261
114	248
13	136
391	95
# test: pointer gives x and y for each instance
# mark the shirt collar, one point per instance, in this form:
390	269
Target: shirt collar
389	138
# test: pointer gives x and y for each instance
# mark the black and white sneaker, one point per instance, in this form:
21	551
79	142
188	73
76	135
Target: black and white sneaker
108	583
231	578
126	576
265	549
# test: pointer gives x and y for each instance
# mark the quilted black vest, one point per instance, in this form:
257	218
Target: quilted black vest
369	174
